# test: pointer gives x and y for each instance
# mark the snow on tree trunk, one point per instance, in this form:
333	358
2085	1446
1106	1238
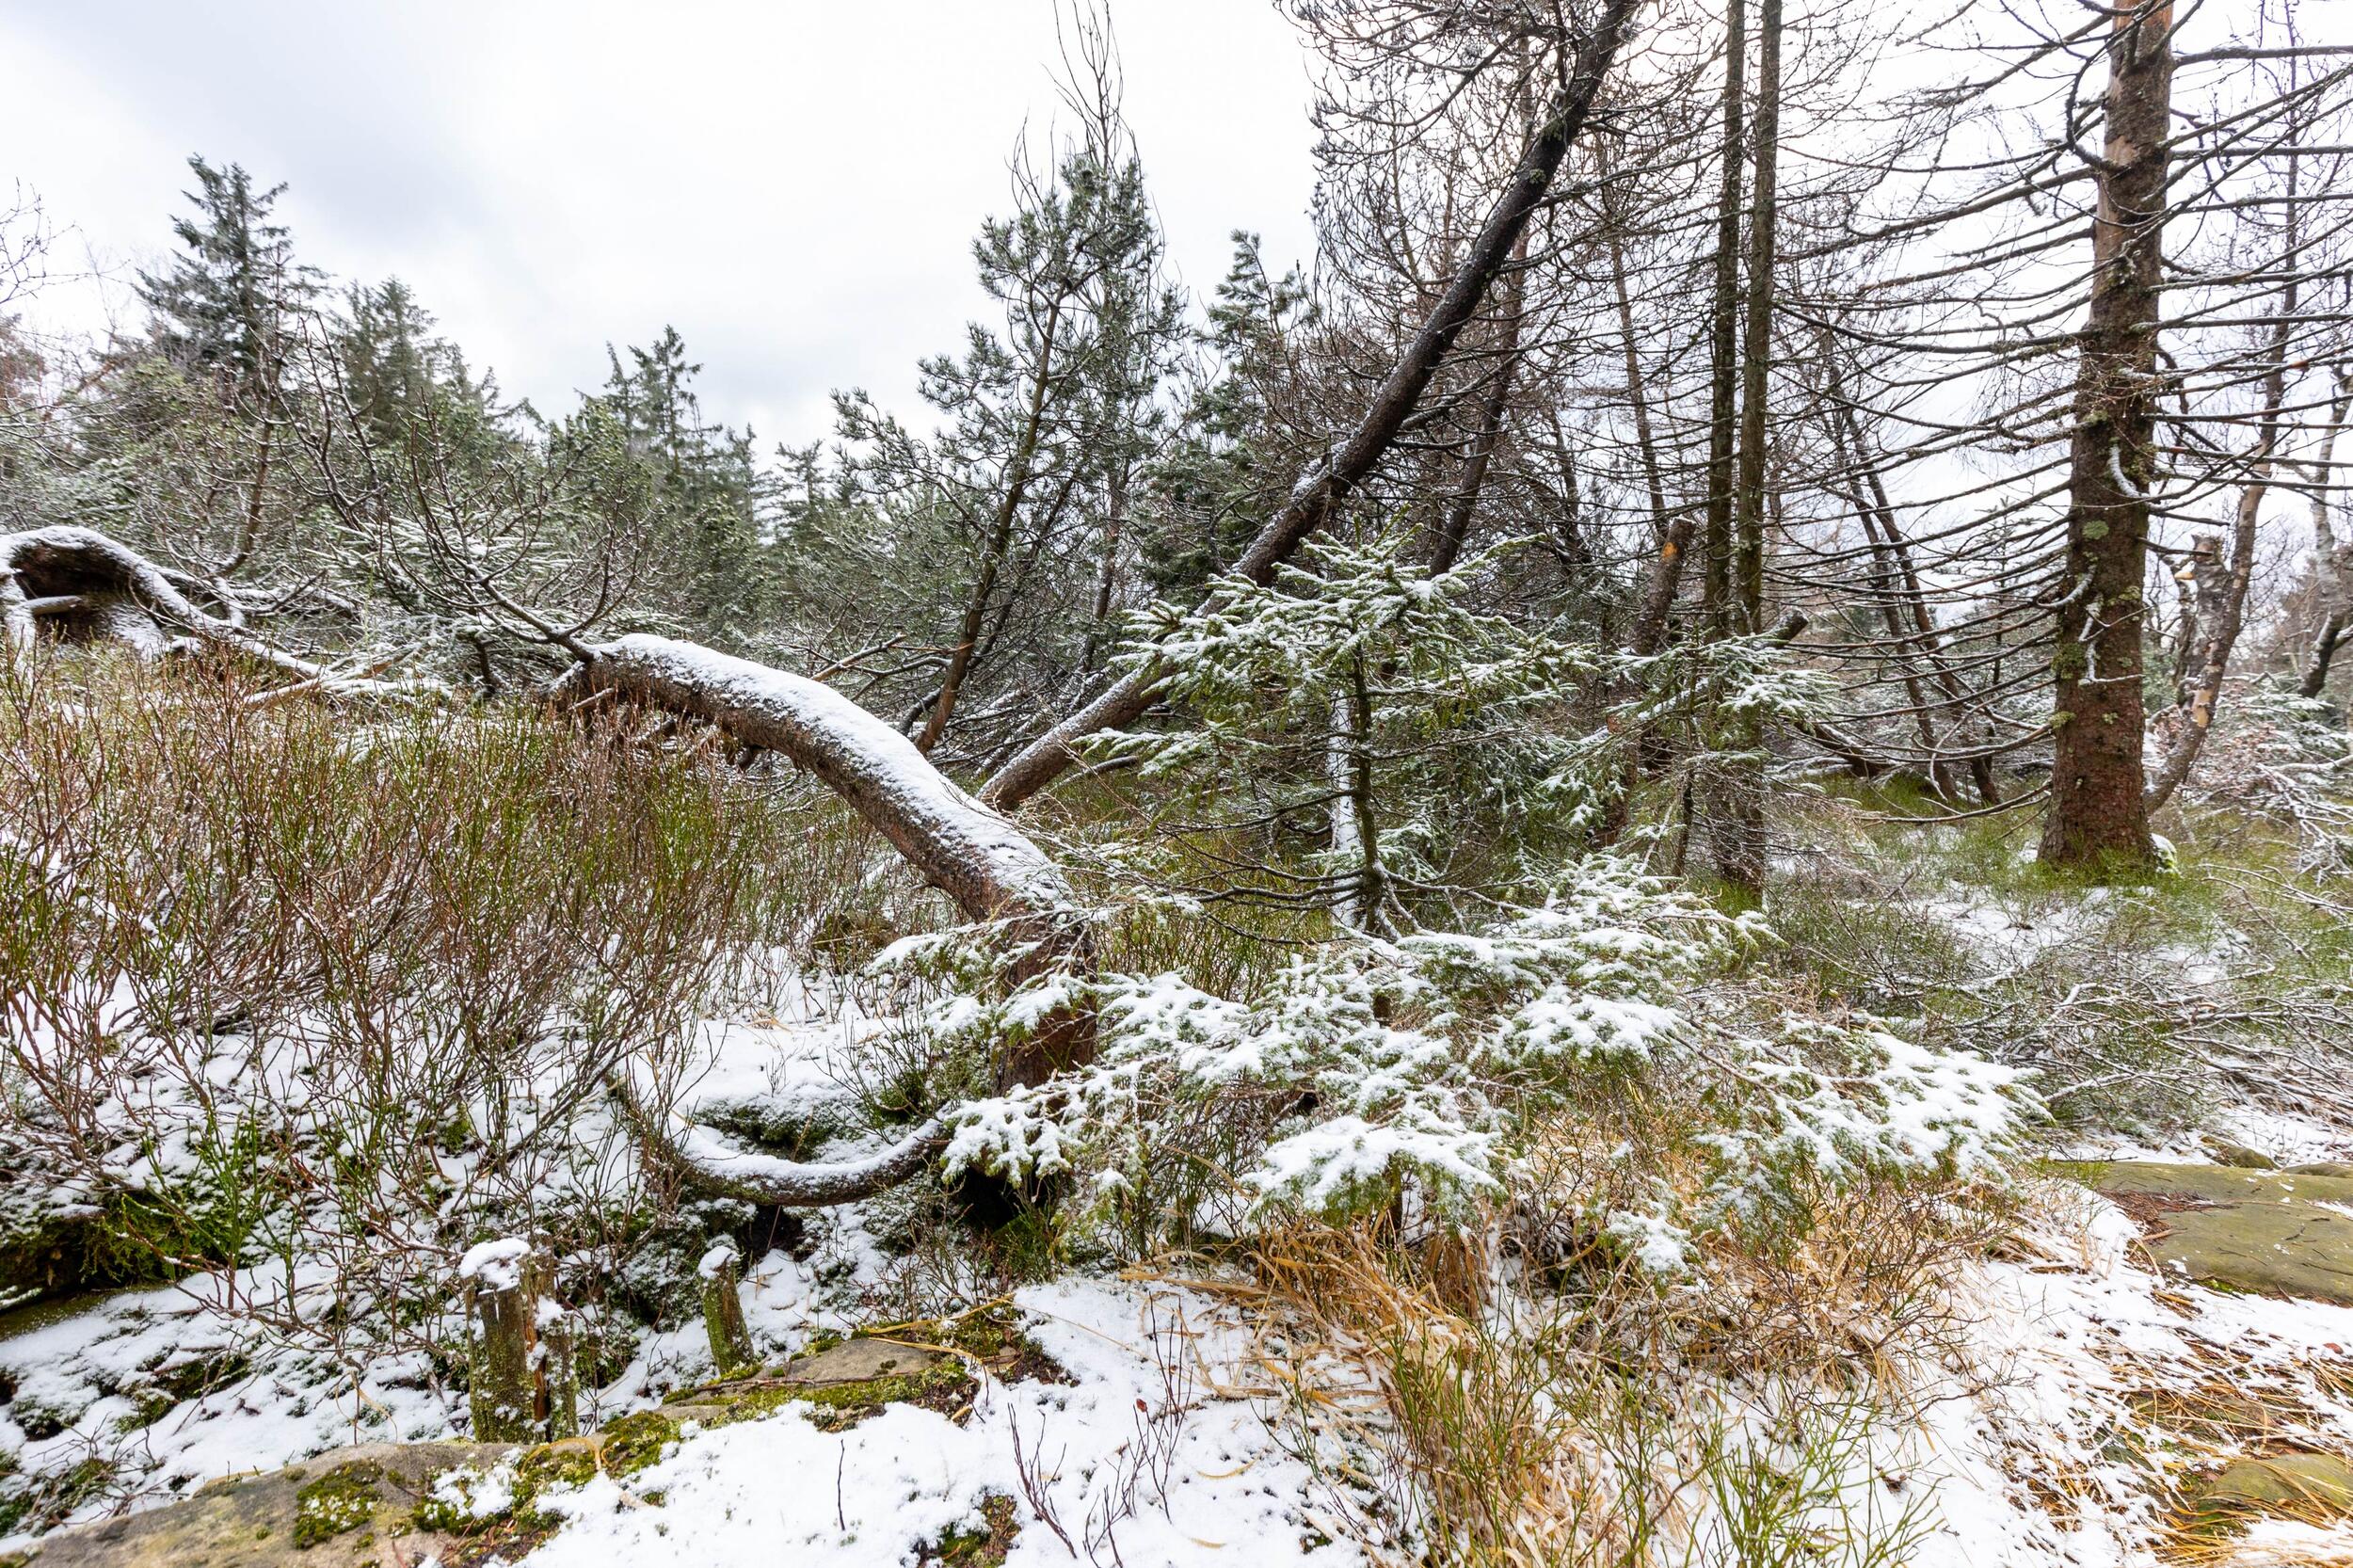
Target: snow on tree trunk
990	869
92	588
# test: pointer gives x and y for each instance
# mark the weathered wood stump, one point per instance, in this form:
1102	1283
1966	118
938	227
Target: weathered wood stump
522	1385
722	1271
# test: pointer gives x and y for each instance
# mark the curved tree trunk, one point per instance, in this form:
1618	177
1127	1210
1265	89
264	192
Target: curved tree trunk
990	869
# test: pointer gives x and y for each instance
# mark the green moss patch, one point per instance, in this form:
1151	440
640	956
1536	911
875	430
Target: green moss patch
944	1386
341	1500
634	1441
985	1547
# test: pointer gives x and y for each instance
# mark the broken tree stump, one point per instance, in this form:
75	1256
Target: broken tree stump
722	1271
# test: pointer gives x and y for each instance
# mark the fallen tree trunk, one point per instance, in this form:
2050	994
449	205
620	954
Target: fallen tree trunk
990	869
89	587
1320	492
713	1166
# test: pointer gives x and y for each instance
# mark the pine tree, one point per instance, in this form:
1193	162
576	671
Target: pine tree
224	306
1210	485
1046	422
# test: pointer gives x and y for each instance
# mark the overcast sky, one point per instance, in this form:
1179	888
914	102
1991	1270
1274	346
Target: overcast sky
792	183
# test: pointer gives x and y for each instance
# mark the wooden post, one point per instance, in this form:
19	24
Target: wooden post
722	1271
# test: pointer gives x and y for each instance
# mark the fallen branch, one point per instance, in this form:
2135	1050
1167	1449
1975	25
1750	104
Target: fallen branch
713	1165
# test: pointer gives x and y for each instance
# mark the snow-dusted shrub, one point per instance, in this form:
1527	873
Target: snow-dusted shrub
1360	738
2290	758
1432	1067
1360	696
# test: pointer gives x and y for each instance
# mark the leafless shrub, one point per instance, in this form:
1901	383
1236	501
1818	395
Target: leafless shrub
312	998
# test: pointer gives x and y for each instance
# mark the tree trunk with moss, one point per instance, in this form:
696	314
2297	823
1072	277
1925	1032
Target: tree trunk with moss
2099	819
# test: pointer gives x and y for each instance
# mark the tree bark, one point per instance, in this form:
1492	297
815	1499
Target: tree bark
1737	829
2099	816
1454	524
1321	490
1723	371
990	869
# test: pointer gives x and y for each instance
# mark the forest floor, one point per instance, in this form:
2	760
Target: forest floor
2130	1345
2087	1405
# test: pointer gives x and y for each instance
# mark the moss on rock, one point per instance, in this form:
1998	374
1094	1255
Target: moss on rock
343	1499
635	1442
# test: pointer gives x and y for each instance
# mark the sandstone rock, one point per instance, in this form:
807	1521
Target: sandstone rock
2275	1233
2295	1484
348	1508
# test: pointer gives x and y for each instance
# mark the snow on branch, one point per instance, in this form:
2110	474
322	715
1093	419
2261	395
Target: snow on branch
715	1166
991	869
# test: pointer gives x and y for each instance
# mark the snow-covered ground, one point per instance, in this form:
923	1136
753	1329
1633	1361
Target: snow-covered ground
1154	1454
2035	1443
2044	1441
2032	1443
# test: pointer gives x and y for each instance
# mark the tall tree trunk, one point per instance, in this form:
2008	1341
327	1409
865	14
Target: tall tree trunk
2099	816
1454	524
1107	573
1320	492
1724	378
1637	390
1757	344
1737	833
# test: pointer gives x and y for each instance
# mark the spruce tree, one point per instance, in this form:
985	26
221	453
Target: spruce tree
395	365
224	305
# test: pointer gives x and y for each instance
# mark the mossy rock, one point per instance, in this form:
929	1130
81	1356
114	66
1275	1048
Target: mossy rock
344	1499
841	1385
985	1547
522	1479
2309	1486
2273	1233
343	1510
635	1442
2342	1169
2213	1183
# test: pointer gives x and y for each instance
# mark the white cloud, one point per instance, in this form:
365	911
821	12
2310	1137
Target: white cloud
794	185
